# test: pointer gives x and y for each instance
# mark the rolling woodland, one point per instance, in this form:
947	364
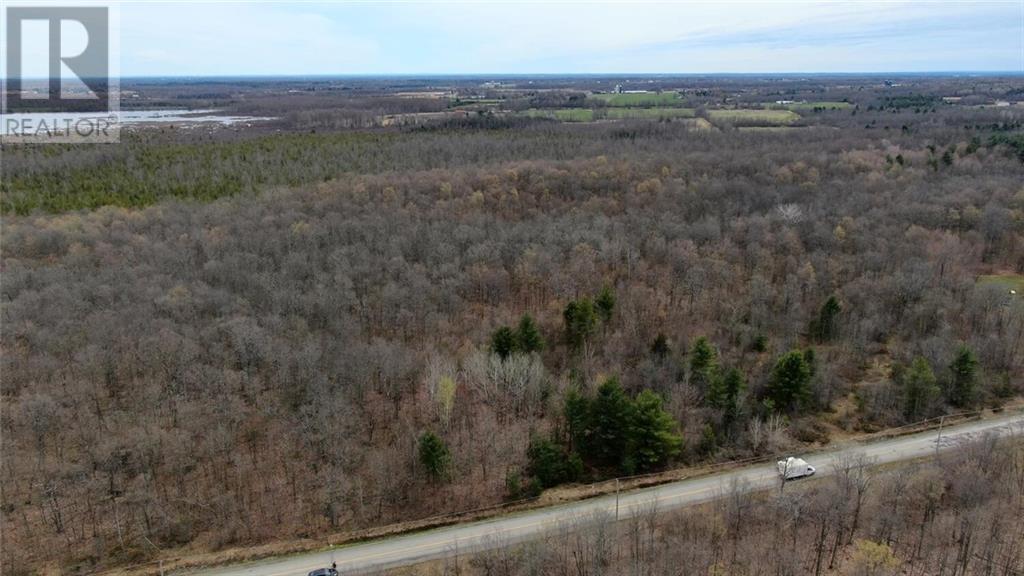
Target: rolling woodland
221	339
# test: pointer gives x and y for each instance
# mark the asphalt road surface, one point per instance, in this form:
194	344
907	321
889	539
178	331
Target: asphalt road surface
507	529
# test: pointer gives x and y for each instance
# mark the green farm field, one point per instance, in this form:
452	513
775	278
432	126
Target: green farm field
1009	282
640	100
647	113
563	114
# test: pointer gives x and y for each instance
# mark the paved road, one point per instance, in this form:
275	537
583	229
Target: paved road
413	548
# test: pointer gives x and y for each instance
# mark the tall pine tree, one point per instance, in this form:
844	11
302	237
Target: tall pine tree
605	304
527	336
434	456
826	326
733	385
962	383
580	322
704	371
919	389
653	438
789	382
503	342
611	416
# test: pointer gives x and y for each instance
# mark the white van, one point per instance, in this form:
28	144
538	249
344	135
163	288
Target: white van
792	468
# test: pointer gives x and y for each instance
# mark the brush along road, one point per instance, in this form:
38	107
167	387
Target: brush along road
503	530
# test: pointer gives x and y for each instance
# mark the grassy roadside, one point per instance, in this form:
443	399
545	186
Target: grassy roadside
182	560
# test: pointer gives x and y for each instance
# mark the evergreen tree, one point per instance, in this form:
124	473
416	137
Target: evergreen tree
825	327
513	485
919	389
715	396
760	343
972	146
434	456
612	431
810	359
708	441
703	365
962	385
580	322
527	336
569	321
789	382
733	385
503	342
660	347
610	419
577	419
605	304
653	439
524	339
551	465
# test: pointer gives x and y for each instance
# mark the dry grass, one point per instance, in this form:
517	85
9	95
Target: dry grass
643	99
753	116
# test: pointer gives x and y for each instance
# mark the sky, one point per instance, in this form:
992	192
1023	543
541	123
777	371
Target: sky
196	38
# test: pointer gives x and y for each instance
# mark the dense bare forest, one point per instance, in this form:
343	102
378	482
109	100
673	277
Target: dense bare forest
227	339
962	514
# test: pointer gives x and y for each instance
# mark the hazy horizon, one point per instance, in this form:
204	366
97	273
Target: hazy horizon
637	74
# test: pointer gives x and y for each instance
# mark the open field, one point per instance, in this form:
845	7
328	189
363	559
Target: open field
563	114
700	124
1013	282
588	115
776	129
749	116
640	100
647	113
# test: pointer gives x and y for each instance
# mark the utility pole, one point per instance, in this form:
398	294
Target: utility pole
618	541
785	474
157	548
938	439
